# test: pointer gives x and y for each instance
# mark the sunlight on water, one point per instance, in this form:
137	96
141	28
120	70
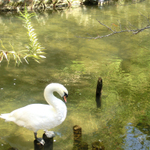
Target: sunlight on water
122	60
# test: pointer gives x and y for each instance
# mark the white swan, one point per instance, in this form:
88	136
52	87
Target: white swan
41	116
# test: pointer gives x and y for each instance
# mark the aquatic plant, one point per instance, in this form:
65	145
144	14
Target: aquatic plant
33	50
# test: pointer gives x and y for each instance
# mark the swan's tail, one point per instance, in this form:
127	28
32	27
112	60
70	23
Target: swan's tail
7	117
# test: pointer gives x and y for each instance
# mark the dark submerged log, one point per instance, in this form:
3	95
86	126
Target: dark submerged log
98	145
98	92
83	146
12	148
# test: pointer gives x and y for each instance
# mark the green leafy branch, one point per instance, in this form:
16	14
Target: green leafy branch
7	54
33	49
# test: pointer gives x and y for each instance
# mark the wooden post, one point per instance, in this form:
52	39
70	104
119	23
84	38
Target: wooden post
98	92
98	145
38	146
48	142
78	144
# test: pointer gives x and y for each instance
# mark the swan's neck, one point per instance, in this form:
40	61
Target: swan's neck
50	98
57	104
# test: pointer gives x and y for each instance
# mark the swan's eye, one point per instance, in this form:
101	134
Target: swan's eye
65	94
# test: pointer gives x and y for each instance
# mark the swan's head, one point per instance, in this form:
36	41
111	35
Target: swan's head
59	88
63	92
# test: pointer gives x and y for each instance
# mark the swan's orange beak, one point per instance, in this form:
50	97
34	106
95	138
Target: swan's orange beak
65	98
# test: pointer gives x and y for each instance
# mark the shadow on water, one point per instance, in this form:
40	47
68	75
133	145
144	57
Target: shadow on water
19	142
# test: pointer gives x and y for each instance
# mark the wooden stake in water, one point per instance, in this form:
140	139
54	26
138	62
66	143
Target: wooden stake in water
98	92
77	130
78	144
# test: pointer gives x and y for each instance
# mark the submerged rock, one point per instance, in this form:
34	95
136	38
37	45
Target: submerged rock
9	5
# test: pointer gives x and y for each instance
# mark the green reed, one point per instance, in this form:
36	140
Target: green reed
32	50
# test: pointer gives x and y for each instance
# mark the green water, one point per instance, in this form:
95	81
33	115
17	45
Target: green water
122	60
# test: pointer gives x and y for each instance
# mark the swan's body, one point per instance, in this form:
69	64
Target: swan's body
41	116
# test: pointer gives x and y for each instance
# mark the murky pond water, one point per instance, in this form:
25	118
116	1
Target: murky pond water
122	60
